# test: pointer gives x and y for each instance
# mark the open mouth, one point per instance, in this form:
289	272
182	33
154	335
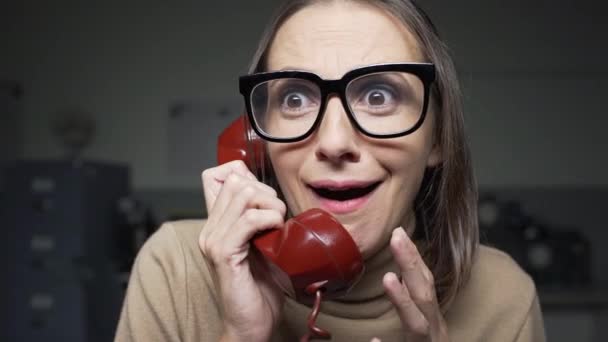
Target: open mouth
344	193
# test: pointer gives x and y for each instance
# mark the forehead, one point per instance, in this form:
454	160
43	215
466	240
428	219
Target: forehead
331	39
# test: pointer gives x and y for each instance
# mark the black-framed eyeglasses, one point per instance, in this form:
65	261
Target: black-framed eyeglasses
382	101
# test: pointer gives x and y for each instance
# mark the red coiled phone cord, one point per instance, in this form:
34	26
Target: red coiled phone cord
313	330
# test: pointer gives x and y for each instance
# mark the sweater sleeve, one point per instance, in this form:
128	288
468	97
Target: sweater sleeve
155	302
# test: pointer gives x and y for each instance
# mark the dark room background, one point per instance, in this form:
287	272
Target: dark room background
158	81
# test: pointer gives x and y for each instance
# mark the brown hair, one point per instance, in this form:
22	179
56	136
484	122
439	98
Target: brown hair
446	204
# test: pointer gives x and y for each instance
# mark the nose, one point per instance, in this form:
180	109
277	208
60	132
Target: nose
336	136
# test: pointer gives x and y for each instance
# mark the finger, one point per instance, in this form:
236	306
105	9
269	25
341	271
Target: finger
252	222
375	339
234	184
248	197
213	178
411	317
414	272
229	245
235	166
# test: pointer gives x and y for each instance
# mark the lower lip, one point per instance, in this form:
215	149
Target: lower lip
343	207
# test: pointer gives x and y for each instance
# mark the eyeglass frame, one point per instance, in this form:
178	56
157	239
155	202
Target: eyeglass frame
424	71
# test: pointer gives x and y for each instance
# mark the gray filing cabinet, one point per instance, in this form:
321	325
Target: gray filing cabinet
59	250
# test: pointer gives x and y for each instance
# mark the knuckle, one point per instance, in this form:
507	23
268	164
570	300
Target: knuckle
281	207
412	264
247	192
240	164
215	253
279	219
239	167
250	216
202	244
206	248
429	276
203	241
424	298
235	163
271	190
232	180
205	174
420	327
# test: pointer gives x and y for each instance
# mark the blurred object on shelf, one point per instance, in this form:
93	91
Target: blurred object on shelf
136	224
555	256
75	129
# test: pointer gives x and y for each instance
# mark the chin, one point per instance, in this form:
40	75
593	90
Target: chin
368	236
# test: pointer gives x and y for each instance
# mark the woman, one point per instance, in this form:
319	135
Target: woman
384	151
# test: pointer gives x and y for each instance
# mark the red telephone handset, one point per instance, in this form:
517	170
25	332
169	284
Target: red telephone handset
312	255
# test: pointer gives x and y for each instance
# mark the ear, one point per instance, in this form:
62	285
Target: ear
435	156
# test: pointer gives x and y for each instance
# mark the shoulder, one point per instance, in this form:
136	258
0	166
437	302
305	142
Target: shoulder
172	293
173	239
173	248
183	232
497	298
494	270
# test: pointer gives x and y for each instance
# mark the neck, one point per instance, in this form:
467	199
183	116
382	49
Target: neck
377	265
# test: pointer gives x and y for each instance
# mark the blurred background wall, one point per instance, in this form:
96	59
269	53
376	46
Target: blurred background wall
151	74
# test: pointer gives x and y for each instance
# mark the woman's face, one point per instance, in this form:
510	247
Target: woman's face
329	40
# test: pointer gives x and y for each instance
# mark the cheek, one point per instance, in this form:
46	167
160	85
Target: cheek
406	157
283	160
407	183
406	163
407	172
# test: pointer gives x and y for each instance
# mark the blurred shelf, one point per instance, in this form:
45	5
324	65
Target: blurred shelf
587	299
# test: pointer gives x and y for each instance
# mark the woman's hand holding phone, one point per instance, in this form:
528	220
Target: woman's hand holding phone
238	207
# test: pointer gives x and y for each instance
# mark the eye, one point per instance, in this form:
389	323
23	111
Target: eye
378	96
297	101
294	100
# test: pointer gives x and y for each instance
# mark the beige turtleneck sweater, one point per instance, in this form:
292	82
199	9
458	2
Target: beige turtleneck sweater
172	297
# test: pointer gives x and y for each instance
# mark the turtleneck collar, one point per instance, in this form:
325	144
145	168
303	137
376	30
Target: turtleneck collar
367	298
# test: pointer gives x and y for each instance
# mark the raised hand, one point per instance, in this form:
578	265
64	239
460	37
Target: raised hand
239	207
413	293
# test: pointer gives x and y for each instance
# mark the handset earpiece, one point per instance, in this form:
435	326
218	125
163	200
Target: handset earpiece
239	141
